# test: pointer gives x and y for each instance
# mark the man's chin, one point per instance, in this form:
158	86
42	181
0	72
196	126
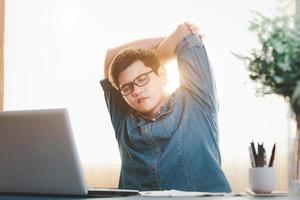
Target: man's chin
144	110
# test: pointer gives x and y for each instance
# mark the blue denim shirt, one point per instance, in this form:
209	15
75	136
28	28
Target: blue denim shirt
179	150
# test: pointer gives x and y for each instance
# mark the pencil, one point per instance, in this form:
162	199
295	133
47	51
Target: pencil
272	156
254	153
251	157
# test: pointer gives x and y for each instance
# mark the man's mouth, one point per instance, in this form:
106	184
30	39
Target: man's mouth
141	100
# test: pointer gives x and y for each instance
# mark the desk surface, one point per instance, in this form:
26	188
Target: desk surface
12	197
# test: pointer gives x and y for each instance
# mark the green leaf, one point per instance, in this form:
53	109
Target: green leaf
238	56
284	66
278	79
278	45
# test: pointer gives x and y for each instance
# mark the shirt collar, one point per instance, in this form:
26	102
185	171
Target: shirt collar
139	119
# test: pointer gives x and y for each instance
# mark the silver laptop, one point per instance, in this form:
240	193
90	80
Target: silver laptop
38	155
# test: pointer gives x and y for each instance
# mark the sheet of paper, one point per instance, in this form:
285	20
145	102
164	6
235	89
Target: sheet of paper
177	193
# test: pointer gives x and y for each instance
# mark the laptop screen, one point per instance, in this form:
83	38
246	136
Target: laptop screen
38	154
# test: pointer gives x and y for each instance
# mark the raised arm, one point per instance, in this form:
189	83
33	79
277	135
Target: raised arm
163	46
166	49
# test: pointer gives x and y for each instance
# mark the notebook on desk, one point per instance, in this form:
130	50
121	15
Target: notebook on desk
38	155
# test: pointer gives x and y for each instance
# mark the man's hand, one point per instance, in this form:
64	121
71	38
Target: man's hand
193	28
185	28
166	49
182	30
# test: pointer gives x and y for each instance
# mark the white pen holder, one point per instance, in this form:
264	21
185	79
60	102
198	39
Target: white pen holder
262	179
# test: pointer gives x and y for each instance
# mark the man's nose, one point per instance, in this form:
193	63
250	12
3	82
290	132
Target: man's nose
136	90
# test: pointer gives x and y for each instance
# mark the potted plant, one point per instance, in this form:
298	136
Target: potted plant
275	66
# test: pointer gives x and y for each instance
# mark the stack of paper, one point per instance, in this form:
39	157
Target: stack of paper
177	193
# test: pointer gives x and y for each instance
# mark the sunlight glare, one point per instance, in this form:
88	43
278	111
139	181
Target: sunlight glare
173	76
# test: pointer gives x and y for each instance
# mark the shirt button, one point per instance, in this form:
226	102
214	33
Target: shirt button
145	130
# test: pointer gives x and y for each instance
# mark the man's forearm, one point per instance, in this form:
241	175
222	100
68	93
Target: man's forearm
151	43
166	49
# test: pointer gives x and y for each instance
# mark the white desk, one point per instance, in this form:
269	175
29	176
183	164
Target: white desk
10	197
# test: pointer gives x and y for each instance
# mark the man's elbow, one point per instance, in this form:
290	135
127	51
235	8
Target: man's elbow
108	59
109	54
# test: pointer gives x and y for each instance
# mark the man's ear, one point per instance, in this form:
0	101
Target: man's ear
162	73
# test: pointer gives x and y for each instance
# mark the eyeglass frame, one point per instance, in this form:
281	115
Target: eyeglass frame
131	84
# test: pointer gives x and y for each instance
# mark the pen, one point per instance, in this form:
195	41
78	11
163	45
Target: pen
272	156
260	156
254	153
264	155
251	157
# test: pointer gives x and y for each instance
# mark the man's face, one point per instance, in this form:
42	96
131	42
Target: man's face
148	97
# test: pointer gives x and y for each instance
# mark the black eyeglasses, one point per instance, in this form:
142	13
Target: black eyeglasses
140	81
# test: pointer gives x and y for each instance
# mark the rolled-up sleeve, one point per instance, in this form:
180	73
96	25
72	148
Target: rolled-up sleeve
195	71
117	107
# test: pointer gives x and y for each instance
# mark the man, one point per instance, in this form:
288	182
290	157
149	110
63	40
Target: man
165	141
